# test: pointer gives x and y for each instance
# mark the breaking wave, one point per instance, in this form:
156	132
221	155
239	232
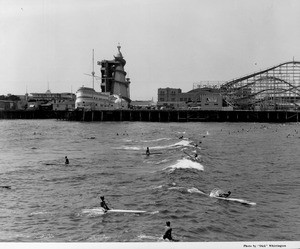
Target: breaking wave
186	164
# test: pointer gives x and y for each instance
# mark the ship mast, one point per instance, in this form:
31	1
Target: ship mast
93	73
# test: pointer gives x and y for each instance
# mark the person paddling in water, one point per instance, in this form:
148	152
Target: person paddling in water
224	194
168	231
66	160
103	204
147	151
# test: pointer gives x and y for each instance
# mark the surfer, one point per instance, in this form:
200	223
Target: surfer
66	160
168	231
103	204
147	151
224	194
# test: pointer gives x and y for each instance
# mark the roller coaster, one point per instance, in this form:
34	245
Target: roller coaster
275	88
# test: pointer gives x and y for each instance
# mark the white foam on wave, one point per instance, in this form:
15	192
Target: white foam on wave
182	143
155	140
216	192
179	144
39	213
175	188
195	190
154	212
186	164
156	187
129	148
162	161
93	211
148	237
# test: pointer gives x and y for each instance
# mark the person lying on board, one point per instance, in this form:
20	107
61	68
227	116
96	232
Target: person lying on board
103	204
225	195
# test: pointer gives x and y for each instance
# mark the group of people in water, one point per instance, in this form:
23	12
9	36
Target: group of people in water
168	229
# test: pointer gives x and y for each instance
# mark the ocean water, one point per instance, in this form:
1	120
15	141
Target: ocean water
52	202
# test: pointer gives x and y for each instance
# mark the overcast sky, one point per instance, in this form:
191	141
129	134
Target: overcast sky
166	43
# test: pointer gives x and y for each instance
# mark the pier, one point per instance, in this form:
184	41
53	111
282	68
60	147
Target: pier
158	116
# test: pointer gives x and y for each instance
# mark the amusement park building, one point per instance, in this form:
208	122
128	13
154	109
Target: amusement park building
199	98
275	88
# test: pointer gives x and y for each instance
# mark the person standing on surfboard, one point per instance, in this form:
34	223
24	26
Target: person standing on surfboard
168	231
147	151
103	204
66	160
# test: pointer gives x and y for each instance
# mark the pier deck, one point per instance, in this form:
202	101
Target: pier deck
158	115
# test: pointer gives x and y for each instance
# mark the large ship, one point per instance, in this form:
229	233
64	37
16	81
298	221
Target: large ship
114	87
88	99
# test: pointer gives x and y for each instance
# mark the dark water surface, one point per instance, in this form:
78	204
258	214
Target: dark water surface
47	200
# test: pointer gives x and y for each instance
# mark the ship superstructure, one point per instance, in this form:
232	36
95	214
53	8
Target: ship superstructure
115	93
113	76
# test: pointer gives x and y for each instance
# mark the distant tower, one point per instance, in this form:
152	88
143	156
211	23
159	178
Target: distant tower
114	78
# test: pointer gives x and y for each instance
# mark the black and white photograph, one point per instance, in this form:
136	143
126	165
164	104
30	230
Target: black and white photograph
150	124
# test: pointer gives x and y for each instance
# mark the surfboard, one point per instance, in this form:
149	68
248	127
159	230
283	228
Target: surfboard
235	200
153	153
173	240
125	211
101	211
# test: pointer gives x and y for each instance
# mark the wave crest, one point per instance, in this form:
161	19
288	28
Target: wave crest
186	164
